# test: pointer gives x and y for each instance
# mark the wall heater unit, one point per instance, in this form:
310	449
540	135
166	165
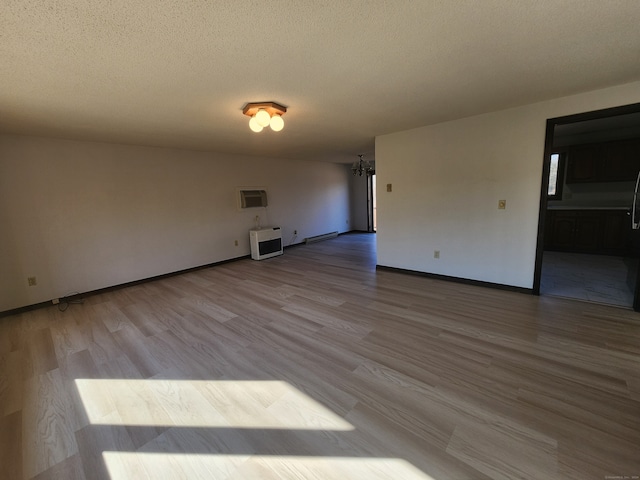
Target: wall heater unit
265	243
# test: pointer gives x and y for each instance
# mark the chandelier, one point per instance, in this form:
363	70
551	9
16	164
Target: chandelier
265	114
361	167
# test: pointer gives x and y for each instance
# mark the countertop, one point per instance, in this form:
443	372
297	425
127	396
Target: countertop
587	207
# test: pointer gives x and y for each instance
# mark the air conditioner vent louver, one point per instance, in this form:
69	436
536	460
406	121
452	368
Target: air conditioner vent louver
253	198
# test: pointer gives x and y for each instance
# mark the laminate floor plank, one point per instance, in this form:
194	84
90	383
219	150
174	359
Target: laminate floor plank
327	320
102	345
134	344
74	368
40	354
600	406
388	439
143	316
598	454
617	429
408	364
315	365
97	441
70	468
326	297
560	362
68	333
11	445
48	423
11	384
200	305
120	367
109	313
323	353
535	457
255	332
174	354
294	369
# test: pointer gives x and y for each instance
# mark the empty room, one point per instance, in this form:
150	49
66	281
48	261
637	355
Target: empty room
319	240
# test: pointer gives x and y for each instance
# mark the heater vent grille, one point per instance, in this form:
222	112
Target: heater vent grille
265	243
319	238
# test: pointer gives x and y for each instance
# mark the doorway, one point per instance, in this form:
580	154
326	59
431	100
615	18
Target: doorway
586	247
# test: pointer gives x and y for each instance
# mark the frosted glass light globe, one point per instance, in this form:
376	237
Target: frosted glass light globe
277	123
254	125
263	117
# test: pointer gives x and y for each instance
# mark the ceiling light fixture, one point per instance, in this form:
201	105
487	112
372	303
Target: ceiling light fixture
265	114
361	167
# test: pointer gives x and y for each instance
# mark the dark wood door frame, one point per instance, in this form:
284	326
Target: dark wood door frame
370	226
546	165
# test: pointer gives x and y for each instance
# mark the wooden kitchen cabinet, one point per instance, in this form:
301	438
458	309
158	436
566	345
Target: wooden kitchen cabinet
561	227
604	162
589	224
621	161
605	232
616	232
585	163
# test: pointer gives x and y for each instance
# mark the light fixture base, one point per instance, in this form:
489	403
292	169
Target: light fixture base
250	109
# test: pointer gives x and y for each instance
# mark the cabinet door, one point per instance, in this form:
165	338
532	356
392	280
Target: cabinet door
584	163
588	227
564	227
605	232
621	161
616	232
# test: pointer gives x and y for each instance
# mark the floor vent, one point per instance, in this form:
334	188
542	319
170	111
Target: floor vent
319	238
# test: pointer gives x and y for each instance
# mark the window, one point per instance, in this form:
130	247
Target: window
556	176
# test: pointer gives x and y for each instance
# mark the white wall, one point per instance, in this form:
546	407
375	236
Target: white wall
82	216
447	180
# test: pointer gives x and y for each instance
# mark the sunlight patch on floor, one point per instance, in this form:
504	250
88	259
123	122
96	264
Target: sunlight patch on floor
204	403
125	465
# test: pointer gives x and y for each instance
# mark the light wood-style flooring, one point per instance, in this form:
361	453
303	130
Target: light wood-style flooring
314	365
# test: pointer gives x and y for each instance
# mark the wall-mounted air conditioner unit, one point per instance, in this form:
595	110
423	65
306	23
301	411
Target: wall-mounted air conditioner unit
253	198
265	243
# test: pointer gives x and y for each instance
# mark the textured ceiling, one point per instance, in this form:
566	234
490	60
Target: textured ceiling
178	72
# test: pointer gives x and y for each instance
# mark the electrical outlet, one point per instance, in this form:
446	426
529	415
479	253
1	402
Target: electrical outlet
295	232
32	281
502	204
389	187
436	254
235	242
